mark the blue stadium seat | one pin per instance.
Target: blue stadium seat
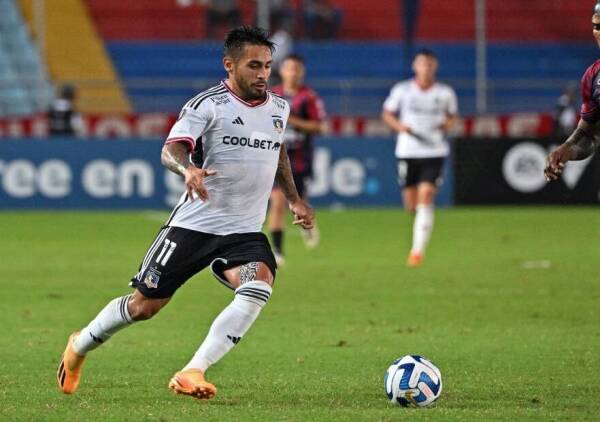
(4, 58)
(22, 74)
(10, 14)
(15, 101)
(355, 77)
(7, 72)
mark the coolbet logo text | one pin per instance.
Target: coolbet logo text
(251, 143)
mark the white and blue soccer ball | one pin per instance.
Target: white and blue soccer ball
(413, 380)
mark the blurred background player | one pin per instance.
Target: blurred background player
(421, 111)
(585, 138)
(306, 119)
(63, 118)
(565, 112)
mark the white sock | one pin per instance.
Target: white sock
(111, 319)
(231, 324)
(422, 228)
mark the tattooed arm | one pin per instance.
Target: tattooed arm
(303, 214)
(176, 157)
(284, 177)
(581, 144)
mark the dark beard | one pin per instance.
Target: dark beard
(249, 94)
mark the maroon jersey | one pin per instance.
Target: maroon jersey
(590, 93)
(307, 105)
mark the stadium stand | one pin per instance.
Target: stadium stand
(113, 19)
(161, 62)
(24, 86)
(76, 55)
(371, 20)
(375, 20)
(351, 76)
(536, 20)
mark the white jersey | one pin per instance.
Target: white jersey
(424, 111)
(241, 142)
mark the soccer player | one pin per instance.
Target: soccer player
(585, 138)
(236, 130)
(421, 111)
(306, 119)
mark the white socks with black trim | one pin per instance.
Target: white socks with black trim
(226, 331)
(231, 324)
(422, 228)
(111, 319)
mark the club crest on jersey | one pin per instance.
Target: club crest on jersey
(278, 124)
(151, 278)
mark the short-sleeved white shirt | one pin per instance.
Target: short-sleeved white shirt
(424, 111)
(241, 142)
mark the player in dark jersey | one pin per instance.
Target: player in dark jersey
(585, 138)
(306, 120)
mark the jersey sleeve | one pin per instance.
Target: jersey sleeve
(590, 95)
(392, 102)
(191, 124)
(452, 103)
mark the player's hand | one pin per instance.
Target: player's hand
(556, 162)
(402, 128)
(303, 214)
(447, 125)
(194, 182)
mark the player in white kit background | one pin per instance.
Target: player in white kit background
(421, 111)
(234, 134)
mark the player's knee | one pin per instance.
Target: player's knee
(251, 271)
(264, 274)
(142, 309)
(143, 312)
(427, 193)
(426, 201)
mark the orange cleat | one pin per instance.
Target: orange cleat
(69, 369)
(414, 260)
(191, 382)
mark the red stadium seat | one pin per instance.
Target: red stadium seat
(154, 20)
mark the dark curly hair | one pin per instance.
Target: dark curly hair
(237, 38)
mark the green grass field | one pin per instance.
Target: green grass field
(507, 305)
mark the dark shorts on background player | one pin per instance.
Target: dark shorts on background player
(300, 180)
(177, 254)
(412, 171)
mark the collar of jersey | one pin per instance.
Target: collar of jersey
(246, 103)
(414, 81)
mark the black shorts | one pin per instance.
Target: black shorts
(177, 254)
(412, 171)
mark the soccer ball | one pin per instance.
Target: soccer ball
(413, 380)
